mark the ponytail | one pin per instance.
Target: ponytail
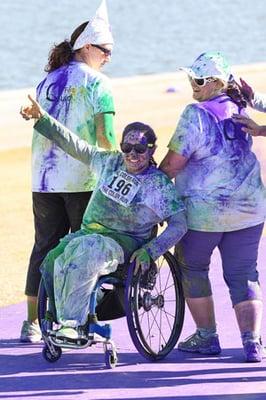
(62, 53)
(235, 93)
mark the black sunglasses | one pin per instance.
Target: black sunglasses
(138, 147)
(106, 52)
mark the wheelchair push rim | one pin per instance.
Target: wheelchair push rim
(155, 316)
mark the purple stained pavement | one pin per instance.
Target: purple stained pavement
(82, 375)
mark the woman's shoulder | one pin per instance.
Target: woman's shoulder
(195, 108)
(193, 114)
(90, 73)
(192, 109)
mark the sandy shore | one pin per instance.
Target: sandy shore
(140, 98)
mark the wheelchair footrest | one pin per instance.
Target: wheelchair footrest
(84, 339)
(103, 330)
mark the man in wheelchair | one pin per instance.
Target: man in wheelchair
(131, 197)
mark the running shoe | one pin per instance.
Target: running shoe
(197, 344)
(67, 332)
(254, 351)
(30, 333)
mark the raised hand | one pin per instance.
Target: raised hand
(247, 91)
(32, 111)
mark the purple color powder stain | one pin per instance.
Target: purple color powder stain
(49, 163)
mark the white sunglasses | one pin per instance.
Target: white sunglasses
(201, 81)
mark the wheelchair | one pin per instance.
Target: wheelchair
(153, 304)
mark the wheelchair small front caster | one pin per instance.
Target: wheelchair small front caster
(110, 358)
(49, 356)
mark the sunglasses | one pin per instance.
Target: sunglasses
(201, 81)
(106, 52)
(138, 147)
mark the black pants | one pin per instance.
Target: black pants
(55, 215)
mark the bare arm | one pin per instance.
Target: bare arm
(105, 131)
(172, 163)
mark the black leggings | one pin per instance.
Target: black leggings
(55, 215)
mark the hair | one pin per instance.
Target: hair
(62, 53)
(233, 90)
(148, 133)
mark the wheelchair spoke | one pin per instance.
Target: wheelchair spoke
(142, 316)
(160, 325)
(148, 315)
(154, 319)
(166, 315)
(151, 325)
(171, 285)
(166, 283)
(148, 335)
(160, 331)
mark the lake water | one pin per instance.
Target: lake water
(151, 36)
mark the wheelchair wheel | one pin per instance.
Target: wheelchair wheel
(42, 303)
(45, 317)
(110, 359)
(49, 356)
(155, 312)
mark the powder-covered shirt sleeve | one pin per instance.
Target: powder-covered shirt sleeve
(259, 102)
(102, 96)
(188, 137)
(71, 143)
(175, 230)
(163, 199)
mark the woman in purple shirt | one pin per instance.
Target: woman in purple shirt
(218, 177)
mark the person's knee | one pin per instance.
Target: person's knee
(195, 283)
(244, 290)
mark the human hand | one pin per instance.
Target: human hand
(247, 91)
(142, 260)
(32, 111)
(250, 126)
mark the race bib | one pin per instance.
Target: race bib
(122, 188)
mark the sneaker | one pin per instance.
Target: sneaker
(254, 351)
(30, 333)
(67, 332)
(197, 344)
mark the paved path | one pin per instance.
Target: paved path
(81, 375)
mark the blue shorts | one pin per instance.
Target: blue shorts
(239, 252)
